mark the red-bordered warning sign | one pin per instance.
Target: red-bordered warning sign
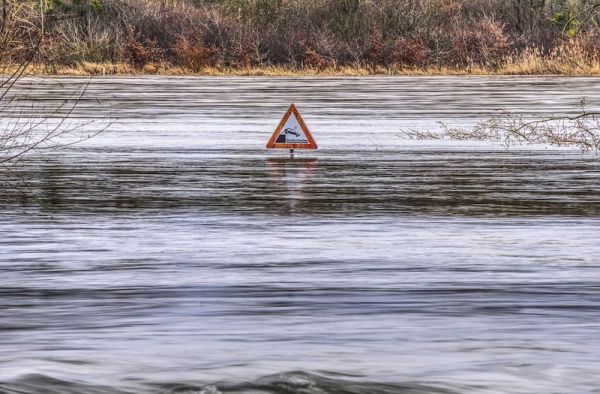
(292, 132)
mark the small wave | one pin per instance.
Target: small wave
(295, 382)
(308, 383)
(42, 384)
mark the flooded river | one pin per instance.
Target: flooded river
(174, 254)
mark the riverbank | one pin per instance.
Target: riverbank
(531, 67)
(308, 37)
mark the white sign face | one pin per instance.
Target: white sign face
(292, 132)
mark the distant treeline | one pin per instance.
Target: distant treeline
(318, 34)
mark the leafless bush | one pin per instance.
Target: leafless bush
(581, 130)
(312, 58)
(26, 123)
(416, 134)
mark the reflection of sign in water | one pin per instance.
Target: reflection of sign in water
(290, 177)
(292, 132)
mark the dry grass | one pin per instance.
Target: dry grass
(572, 57)
(565, 59)
(529, 63)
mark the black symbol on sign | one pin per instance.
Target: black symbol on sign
(291, 131)
(281, 138)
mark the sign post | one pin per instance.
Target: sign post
(292, 133)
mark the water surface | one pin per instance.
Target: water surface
(173, 253)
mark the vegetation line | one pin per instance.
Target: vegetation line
(123, 69)
(305, 37)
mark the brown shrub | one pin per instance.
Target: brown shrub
(140, 50)
(242, 56)
(448, 8)
(482, 43)
(193, 53)
(489, 42)
(410, 52)
(376, 54)
(313, 59)
(590, 46)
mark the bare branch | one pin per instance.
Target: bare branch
(581, 130)
(26, 126)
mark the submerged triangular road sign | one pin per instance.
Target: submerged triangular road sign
(292, 132)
